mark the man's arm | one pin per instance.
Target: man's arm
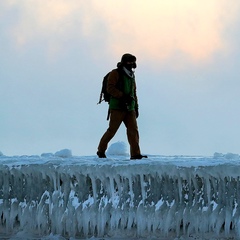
(135, 95)
(113, 78)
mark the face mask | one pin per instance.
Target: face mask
(130, 66)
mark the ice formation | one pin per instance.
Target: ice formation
(85, 196)
(119, 149)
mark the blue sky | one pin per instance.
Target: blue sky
(55, 53)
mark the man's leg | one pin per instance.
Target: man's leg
(116, 118)
(132, 133)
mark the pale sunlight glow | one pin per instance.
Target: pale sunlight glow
(161, 29)
(158, 29)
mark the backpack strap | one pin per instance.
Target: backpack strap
(108, 114)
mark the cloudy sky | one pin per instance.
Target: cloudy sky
(54, 54)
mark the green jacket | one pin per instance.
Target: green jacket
(119, 84)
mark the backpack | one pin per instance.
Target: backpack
(104, 95)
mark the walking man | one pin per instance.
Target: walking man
(123, 106)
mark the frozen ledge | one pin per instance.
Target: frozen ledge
(85, 196)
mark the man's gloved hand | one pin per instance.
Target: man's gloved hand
(136, 112)
(127, 98)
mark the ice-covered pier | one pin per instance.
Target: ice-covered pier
(83, 197)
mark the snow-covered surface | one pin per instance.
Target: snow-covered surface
(61, 196)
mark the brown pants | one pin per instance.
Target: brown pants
(129, 119)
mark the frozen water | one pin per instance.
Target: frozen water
(65, 153)
(164, 197)
(227, 156)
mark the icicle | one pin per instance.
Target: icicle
(104, 199)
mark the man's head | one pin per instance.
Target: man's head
(128, 61)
